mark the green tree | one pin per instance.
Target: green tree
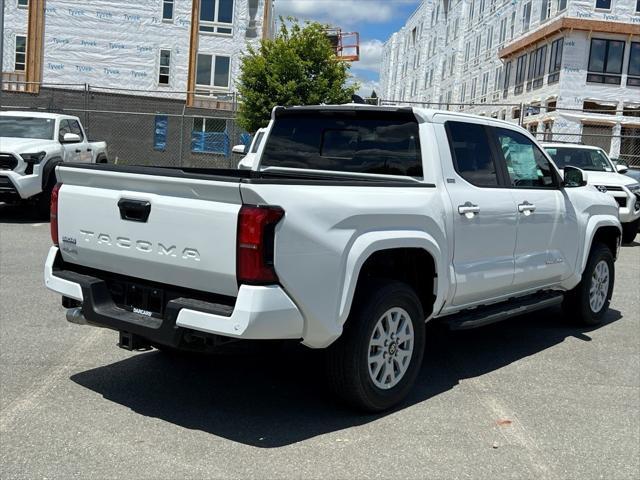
(298, 67)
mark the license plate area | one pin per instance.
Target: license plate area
(138, 298)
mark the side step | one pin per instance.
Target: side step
(482, 316)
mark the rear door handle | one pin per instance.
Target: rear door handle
(468, 209)
(134, 210)
(526, 208)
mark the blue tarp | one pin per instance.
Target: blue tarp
(245, 139)
(160, 133)
(211, 142)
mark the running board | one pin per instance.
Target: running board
(482, 316)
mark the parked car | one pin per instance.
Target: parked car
(606, 177)
(355, 226)
(252, 152)
(32, 144)
(623, 167)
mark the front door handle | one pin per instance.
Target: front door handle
(78, 150)
(526, 208)
(468, 209)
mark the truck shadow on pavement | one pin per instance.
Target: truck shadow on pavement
(20, 214)
(279, 399)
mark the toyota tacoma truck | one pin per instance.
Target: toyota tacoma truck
(32, 145)
(354, 227)
(606, 177)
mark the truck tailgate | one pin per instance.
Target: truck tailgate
(187, 239)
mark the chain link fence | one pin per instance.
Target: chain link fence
(158, 128)
(616, 131)
(141, 127)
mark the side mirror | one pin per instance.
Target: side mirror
(621, 168)
(241, 149)
(574, 177)
(71, 138)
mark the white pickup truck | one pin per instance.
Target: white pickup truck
(606, 177)
(356, 226)
(32, 144)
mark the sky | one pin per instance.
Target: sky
(375, 20)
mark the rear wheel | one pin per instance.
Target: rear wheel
(629, 231)
(375, 362)
(589, 301)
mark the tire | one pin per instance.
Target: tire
(43, 202)
(629, 231)
(578, 304)
(348, 359)
(102, 159)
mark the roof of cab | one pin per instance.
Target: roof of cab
(569, 145)
(425, 114)
(29, 114)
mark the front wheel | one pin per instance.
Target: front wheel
(629, 231)
(375, 362)
(589, 301)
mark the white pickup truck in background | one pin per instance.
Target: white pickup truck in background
(354, 227)
(32, 144)
(606, 177)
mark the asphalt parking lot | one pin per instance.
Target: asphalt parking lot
(529, 398)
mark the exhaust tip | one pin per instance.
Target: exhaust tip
(75, 315)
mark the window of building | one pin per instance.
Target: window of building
(545, 10)
(547, 128)
(526, 164)
(633, 72)
(637, 6)
(489, 37)
(562, 5)
(167, 9)
(603, 4)
(605, 61)
(467, 51)
(539, 66)
(485, 86)
(213, 71)
(478, 45)
(526, 16)
(507, 79)
(209, 136)
(452, 64)
(521, 69)
(414, 34)
(474, 87)
(164, 73)
(472, 155)
(23, 3)
(382, 142)
(480, 9)
(556, 60)
(512, 25)
(20, 53)
(497, 81)
(463, 92)
(216, 16)
(503, 30)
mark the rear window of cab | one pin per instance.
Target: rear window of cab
(378, 142)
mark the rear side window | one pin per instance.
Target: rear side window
(348, 141)
(256, 144)
(471, 151)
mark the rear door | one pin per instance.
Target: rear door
(160, 225)
(547, 222)
(484, 220)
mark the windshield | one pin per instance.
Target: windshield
(27, 127)
(586, 159)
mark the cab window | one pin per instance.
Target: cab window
(526, 164)
(471, 152)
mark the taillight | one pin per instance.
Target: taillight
(54, 213)
(256, 235)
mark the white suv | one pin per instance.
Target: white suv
(603, 174)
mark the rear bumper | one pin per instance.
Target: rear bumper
(259, 313)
